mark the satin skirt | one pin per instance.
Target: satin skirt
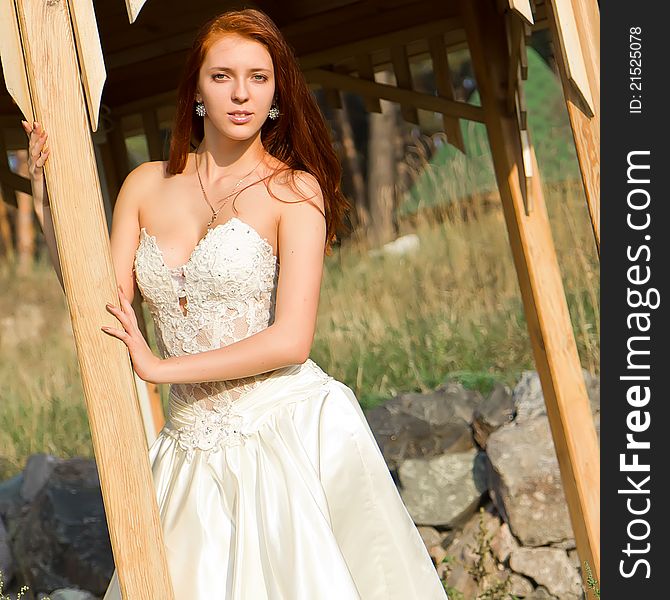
(304, 508)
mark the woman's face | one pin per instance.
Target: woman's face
(237, 75)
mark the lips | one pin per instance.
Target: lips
(241, 113)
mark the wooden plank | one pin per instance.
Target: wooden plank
(403, 76)
(373, 43)
(585, 130)
(513, 27)
(13, 64)
(523, 9)
(365, 72)
(438, 55)
(89, 50)
(545, 306)
(134, 7)
(126, 481)
(568, 38)
(355, 85)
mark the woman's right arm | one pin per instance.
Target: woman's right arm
(38, 153)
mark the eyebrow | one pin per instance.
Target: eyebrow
(229, 69)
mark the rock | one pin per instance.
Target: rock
(496, 411)
(462, 551)
(503, 543)
(71, 594)
(444, 490)
(430, 536)
(62, 541)
(10, 498)
(525, 482)
(36, 473)
(549, 567)
(460, 402)
(418, 426)
(6, 560)
(541, 593)
(529, 399)
(568, 544)
(520, 586)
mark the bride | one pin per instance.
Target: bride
(269, 482)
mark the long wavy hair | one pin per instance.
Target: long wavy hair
(299, 138)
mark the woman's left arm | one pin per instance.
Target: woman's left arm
(301, 240)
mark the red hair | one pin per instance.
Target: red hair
(300, 137)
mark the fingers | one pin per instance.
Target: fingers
(125, 314)
(38, 152)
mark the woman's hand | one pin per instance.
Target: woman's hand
(38, 153)
(145, 363)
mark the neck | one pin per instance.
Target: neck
(220, 157)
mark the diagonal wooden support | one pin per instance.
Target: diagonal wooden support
(546, 309)
(582, 49)
(54, 80)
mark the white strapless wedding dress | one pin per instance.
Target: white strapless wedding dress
(270, 487)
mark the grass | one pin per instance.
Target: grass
(385, 324)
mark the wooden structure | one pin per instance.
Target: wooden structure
(143, 55)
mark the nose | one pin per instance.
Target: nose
(240, 91)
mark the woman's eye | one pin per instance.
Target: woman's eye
(262, 77)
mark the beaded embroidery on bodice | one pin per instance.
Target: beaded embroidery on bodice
(225, 292)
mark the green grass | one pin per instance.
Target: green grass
(385, 324)
(472, 173)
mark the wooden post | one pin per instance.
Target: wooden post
(585, 129)
(541, 286)
(57, 101)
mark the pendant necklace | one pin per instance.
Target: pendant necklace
(215, 213)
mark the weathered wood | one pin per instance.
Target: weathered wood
(585, 130)
(546, 310)
(83, 245)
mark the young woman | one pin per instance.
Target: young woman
(270, 484)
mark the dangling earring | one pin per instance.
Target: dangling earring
(274, 112)
(200, 109)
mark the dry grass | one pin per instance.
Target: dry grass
(386, 324)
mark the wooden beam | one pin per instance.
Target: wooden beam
(570, 46)
(585, 129)
(545, 306)
(445, 89)
(366, 72)
(452, 108)
(514, 32)
(371, 44)
(522, 9)
(13, 63)
(80, 228)
(403, 76)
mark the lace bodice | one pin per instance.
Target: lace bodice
(225, 292)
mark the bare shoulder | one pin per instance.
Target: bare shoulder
(301, 192)
(145, 175)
